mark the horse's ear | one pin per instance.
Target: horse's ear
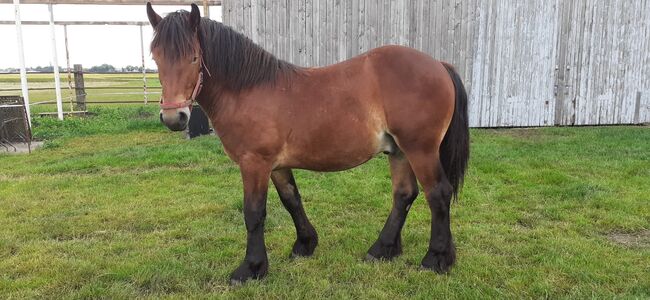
(154, 18)
(195, 17)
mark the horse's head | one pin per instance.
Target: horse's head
(177, 52)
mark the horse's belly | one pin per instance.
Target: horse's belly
(338, 132)
(340, 152)
(326, 162)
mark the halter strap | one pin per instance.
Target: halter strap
(197, 89)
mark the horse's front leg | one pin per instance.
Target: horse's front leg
(307, 238)
(255, 173)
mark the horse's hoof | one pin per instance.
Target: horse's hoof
(370, 258)
(439, 262)
(295, 255)
(378, 251)
(247, 271)
(235, 282)
(304, 247)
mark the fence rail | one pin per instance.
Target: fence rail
(87, 88)
(525, 63)
(79, 89)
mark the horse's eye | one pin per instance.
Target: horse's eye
(195, 59)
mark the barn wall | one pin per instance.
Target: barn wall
(525, 63)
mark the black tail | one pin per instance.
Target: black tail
(454, 151)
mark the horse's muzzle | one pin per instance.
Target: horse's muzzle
(175, 120)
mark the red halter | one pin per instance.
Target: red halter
(195, 92)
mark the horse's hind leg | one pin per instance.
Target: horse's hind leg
(307, 239)
(405, 190)
(429, 172)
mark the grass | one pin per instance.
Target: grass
(116, 206)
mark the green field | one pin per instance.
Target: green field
(121, 87)
(116, 206)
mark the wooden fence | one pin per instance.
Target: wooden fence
(525, 62)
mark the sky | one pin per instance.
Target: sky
(88, 45)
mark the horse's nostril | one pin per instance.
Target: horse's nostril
(175, 122)
(182, 118)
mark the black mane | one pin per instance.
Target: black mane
(230, 57)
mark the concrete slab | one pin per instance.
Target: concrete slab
(18, 148)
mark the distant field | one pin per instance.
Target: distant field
(129, 88)
(115, 206)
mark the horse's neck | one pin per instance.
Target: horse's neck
(217, 100)
(220, 103)
(210, 97)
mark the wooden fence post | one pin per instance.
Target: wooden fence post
(79, 88)
(206, 9)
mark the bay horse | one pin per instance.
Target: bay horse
(272, 116)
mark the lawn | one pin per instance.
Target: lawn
(116, 206)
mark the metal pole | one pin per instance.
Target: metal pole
(144, 70)
(21, 61)
(67, 63)
(55, 62)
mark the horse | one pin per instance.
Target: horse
(273, 116)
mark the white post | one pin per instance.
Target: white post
(67, 63)
(144, 70)
(55, 62)
(21, 61)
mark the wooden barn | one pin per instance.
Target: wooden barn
(525, 63)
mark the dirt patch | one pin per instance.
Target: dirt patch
(640, 239)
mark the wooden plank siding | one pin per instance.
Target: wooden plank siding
(524, 63)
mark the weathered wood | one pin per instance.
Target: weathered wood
(79, 88)
(115, 2)
(524, 63)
